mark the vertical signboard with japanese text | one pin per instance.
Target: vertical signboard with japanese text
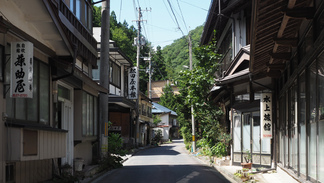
(21, 85)
(132, 83)
(266, 115)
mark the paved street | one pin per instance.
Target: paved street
(168, 163)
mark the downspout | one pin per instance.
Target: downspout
(75, 48)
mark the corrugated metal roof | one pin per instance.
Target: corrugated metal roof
(157, 109)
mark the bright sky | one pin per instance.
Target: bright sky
(160, 26)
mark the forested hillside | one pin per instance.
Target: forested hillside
(166, 62)
(176, 55)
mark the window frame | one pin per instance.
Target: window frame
(90, 115)
(11, 103)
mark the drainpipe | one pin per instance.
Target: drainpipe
(75, 48)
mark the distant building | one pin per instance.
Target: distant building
(157, 89)
(144, 134)
(168, 125)
(120, 107)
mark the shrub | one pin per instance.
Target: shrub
(157, 137)
(219, 149)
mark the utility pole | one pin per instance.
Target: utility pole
(104, 78)
(150, 76)
(138, 44)
(192, 109)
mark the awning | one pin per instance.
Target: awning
(122, 101)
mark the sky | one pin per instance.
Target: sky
(159, 26)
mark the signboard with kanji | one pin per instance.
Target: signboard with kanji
(132, 83)
(266, 115)
(21, 84)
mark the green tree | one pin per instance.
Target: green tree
(177, 54)
(195, 85)
(158, 65)
(96, 16)
(168, 99)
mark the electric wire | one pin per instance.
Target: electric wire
(175, 17)
(182, 16)
(168, 11)
(194, 5)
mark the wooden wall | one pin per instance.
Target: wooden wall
(33, 171)
(50, 144)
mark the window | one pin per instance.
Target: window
(293, 127)
(89, 115)
(312, 122)
(237, 132)
(24, 109)
(115, 74)
(302, 123)
(82, 10)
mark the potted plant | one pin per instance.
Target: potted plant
(248, 158)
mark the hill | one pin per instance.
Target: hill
(176, 55)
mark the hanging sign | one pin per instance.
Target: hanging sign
(21, 78)
(132, 83)
(266, 115)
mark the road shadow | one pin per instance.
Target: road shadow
(157, 151)
(166, 174)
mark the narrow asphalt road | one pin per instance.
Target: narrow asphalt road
(169, 163)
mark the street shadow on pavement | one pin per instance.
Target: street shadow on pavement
(166, 174)
(157, 151)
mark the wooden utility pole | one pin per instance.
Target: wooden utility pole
(150, 76)
(104, 78)
(192, 109)
(138, 44)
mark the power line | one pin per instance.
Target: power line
(175, 17)
(194, 5)
(182, 16)
(161, 28)
(168, 12)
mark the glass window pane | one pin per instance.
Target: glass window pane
(95, 118)
(44, 94)
(9, 104)
(246, 132)
(256, 132)
(91, 115)
(78, 9)
(320, 71)
(88, 114)
(302, 122)
(72, 6)
(293, 125)
(312, 122)
(20, 108)
(64, 92)
(32, 103)
(84, 114)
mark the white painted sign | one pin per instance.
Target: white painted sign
(266, 115)
(21, 85)
(132, 83)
